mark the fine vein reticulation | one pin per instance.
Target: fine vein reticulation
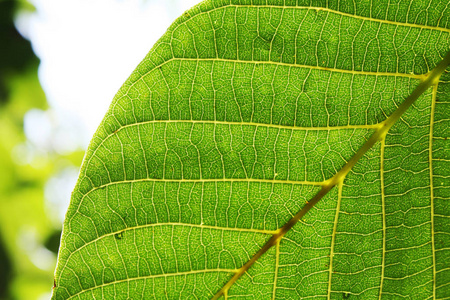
(431, 80)
(272, 149)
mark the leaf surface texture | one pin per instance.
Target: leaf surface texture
(236, 118)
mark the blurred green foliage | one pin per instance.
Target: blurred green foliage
(25, 228)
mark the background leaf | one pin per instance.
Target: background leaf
(233, 121)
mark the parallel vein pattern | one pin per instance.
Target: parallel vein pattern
(236, 120)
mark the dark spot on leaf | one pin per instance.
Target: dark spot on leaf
(346, 295)
(267, 36)
(54, 283)
(118, 236)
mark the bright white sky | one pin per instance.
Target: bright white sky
(88, 48)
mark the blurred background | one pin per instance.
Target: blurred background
(61, 63)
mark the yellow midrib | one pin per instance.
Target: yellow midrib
(339, 179)
(431, 80)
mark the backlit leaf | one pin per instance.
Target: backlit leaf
(245, 116)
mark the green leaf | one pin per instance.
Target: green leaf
(272, 149)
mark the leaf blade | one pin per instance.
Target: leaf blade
(157, 93)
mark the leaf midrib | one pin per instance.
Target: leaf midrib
(432, 80)
(320, 68)
(324, 183)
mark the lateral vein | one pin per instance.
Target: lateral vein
(431, 79)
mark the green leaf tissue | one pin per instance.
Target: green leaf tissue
(270, 149)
